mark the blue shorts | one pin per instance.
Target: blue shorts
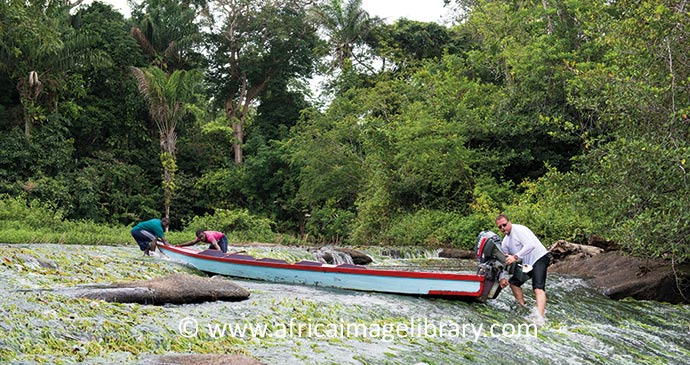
(538, 274)
(143, 238)
(223, 243)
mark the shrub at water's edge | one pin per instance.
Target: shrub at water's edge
(555, 207)
(24, 221)
(572, 207)
(238, 225)
(435, 228)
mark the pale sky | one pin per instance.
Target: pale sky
(390, 10)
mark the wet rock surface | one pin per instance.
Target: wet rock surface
(171, 289)
(358, 257)
(39, 325)
(35, 262)
(456, 253)
(620, 276)
(204, 360)
(336, 256)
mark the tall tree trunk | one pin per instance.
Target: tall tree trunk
(27, 123)
(545, 4)
(238, 134)
(236, 121)
(168, 160)
(29, 90)
(167, 195)
(237, 110)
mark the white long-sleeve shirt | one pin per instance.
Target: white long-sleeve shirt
(524, 243)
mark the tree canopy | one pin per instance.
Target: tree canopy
(570, 116)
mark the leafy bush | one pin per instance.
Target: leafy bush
(435, 228)
(329, 224)
(551, 209)
(635, 190)
(24, 221)
(238, 225)
(17, 213)
(466, 229)
(373, 214)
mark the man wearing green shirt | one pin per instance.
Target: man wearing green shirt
(148, 232)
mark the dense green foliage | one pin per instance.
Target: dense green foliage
(239, 225)
(36, 222)
(570, 116)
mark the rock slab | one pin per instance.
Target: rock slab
(172, 289)
(621, 276)
(210, 359)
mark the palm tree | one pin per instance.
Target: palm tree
(347, 25)
(168, 32)
(37, 47)
(167, 97)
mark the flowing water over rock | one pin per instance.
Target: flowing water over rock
(330, 256)
(289, 324)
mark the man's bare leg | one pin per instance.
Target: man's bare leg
(517, 293)
(540, 296)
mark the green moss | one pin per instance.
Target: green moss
(41, 326)
(51, 328)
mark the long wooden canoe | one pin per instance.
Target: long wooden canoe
(347, 276)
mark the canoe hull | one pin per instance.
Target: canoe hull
(351, 277)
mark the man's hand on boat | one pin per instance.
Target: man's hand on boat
(510, 259)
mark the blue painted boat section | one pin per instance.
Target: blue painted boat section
(343, 276)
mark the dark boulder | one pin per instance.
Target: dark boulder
(358, 257)
(456, 253)
(394, 253)
(172, 289)
(602, 243)
(564, 249)
(620, 276)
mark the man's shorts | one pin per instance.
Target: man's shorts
(538, 274)
(143, 238)
(223, 243)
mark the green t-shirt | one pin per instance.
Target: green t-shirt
(153, 225)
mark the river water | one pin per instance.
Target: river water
(290, 324)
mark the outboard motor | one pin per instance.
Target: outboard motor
(492, 261)
(488, 248)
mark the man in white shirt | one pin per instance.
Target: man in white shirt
(519, 242)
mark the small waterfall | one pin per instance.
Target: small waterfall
(331, 256)
(403, 252)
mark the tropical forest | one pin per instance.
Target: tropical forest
(314, 122)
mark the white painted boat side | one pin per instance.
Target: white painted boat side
(325, 278)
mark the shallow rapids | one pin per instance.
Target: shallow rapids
(289, 324)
